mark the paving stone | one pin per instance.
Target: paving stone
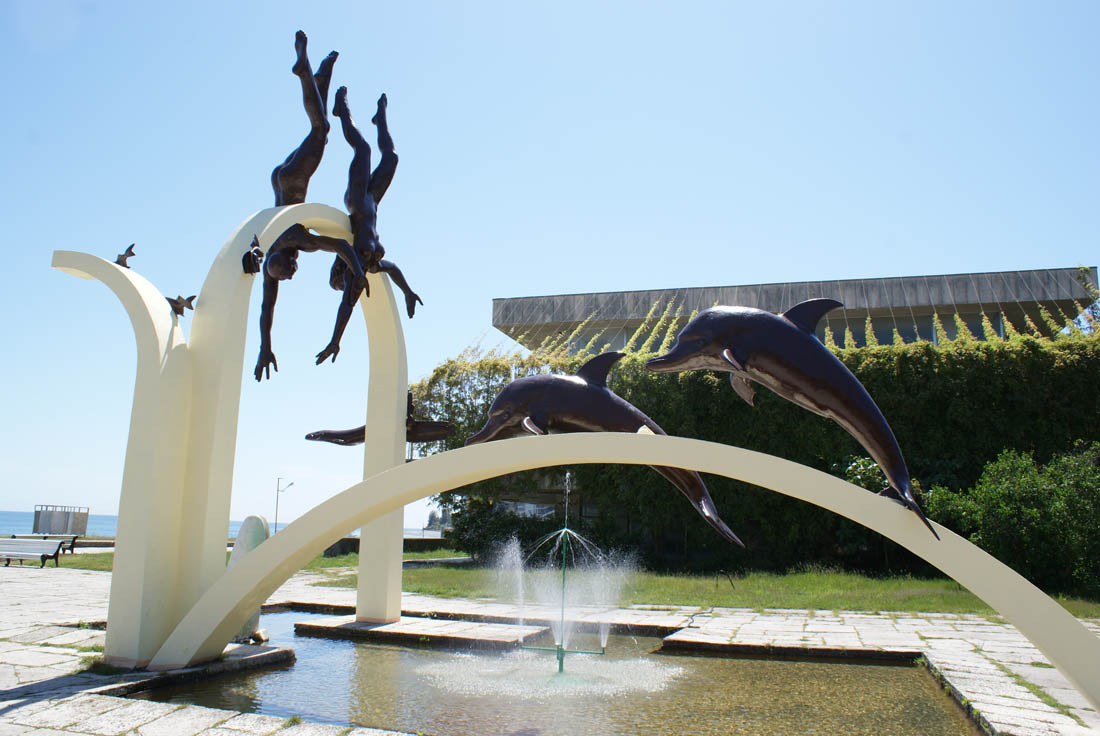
(34, 657)
(312, 729)
(25, 706)
(1090, 717)
(186, 721)
(74, 637)
(1068, 697)
(1022, 716)
(253, 723)
(124, 718)
(68, 712)
(10, 729)
(38, 633)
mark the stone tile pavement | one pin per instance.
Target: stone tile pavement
(1008, 685)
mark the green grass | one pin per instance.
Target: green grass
(826, 591)
(89, 561)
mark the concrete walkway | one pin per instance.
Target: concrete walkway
(1008, 685)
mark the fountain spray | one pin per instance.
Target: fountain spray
(560, 647)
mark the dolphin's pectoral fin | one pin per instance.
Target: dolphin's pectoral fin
(805, 315)
(743, 388)
(530, 426)
(595, 370)
(735, 359)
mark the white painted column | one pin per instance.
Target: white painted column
(381, 542)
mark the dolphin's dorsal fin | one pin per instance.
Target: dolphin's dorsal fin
(805, 315)
(595, 371)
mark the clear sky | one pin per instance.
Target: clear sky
(545, 148)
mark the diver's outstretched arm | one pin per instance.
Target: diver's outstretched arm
(266, 361)
(352, 289)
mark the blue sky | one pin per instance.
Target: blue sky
(545, 148)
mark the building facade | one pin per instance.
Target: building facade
(906, 304)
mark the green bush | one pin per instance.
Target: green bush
(953, 407)
(1042, 520)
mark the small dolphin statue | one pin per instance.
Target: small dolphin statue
(416, 430)
(782, 353)
(125, 256)
(548, 404)
(179, 304)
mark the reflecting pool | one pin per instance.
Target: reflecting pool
(628, 691)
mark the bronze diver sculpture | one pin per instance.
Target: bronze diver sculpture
(290, 181)
(546, 404)
(365, 190)
(782, 353)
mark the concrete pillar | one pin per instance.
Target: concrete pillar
(378, 597)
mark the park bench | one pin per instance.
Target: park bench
(68, 539)
(30, 549)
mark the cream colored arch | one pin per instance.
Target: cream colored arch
(208, 626)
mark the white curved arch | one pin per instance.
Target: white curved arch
(218, 330)
(145, 604)
(208, 626)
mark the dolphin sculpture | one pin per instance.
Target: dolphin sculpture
(549, 404)
(782, 353)
(416, 430)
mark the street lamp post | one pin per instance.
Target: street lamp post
(278, 490)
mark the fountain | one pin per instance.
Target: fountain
(601, 579)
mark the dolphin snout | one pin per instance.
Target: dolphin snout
(676, 359)
(490, 431)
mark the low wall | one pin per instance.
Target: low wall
(347, 545)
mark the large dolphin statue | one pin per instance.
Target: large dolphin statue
(549, 404)
(781, 352)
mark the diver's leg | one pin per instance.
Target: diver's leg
(290, 180)
(398, 278)
(323, 77)
(359, 170)
(383, 175)
(311, 95)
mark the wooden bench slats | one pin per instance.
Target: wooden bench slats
(68, 539)
(30, 549)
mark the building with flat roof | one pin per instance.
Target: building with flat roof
(906, 304)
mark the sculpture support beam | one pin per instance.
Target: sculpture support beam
(202, 634)
(381, 542)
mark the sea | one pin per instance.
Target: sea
(105, 525)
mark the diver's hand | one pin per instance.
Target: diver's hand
(265, 363)
(332, 349)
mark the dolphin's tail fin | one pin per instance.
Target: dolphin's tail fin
(905, 498)
(691, 485)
